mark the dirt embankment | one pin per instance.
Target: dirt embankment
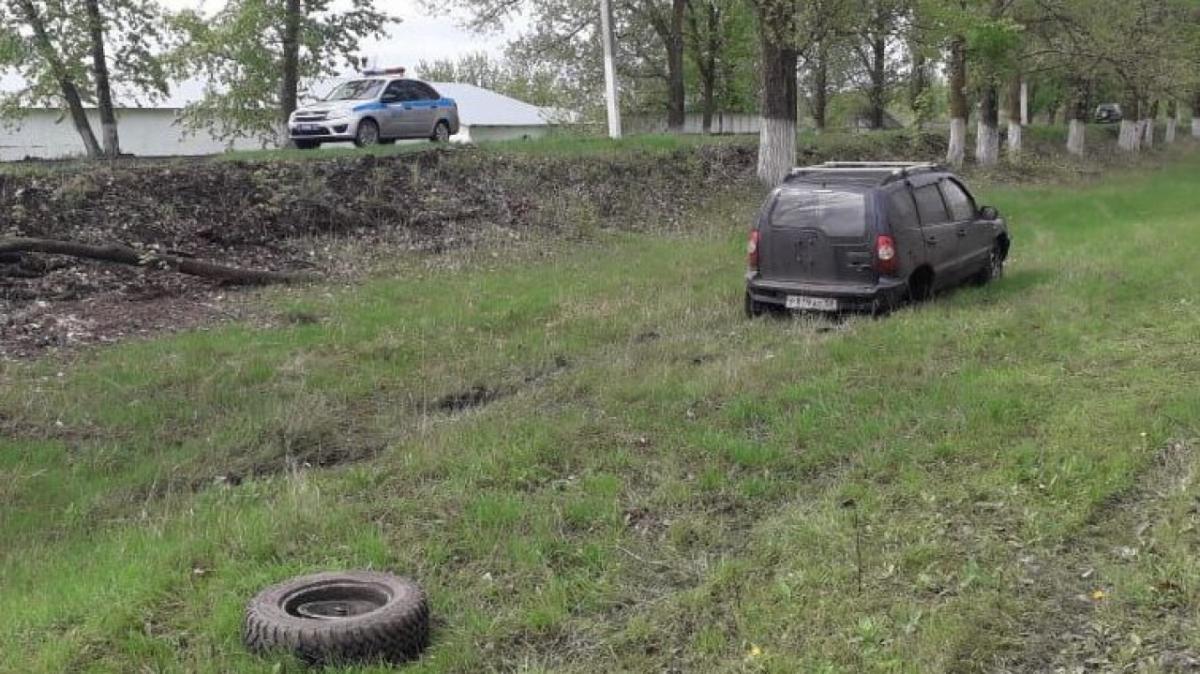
(294, 215)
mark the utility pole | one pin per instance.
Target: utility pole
(610, 70)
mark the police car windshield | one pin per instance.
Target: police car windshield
(356, 90)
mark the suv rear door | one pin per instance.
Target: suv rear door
(817, 234)
(939, 232)
(905, 228)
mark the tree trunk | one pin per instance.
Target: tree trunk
(878, 94)
(1077, 132)
(70, 92)
(675, 88)
(108, 119)
(918, 84)
(126, 255)
(1129, 139)
(710, 72)
(820, 87)
(1172, 121)
(708, 100)
(289, 88)
(958, 102)
(1196, 115)
(706, 48)
(777, 137)
(1024, 102)
(987, 140)
(1148, 126)
(1014, 117)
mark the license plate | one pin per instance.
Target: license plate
(309, 127)
(805, 303)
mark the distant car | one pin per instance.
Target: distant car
(866, 236)
(1108, 113)
(380, 107)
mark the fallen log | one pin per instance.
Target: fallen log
(122, 254)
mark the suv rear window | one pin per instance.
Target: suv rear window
(834, 212)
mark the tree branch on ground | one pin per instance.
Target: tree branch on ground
(122, 254)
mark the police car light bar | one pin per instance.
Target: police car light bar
(384, 71)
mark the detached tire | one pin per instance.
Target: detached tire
(344, 617)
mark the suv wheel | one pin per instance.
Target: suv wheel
(754, 309)
(994, 269)
(441, 133)
(368, 133)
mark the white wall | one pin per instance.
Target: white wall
(49, 134)
(477, 133)
(729, 122)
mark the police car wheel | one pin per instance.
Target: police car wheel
(368, 134)
(441, 132)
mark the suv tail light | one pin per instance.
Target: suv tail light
(752, 251)
(885, 255)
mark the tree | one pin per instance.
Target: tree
(994, 43)
(1196, 114)
(779, 53)
(667, 19)
(254, 54)
(959, 111)
(880, 21)
(715, 31)
(108, 118)
(63, 58)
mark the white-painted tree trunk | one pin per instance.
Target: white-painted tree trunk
(987, 145)
(958, 143)
(1172, 125)
(1147, 133)
(1024, 103)
(1015, 131)
(1076, 137)
(776, 150)
(1195, 127)
(1130, 137)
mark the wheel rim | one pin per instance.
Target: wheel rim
(345, 599)
(443, 133)
(368, 134)
(996, 264)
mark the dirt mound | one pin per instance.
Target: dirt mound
(289, 215)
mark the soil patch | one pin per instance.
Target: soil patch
(304, 215)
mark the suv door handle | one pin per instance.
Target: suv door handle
(931, 240)
(962, 231)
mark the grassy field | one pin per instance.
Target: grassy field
(1002, 478)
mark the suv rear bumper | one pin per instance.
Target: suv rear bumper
(887, 292)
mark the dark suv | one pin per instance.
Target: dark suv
(1108, 113)
(865, 236)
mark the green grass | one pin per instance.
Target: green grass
(659, 482)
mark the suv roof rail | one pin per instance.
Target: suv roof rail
(885, 171)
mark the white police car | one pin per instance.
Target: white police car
(382, 106)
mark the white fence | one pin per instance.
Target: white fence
(693, 122)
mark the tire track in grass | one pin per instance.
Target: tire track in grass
(1065, 594)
